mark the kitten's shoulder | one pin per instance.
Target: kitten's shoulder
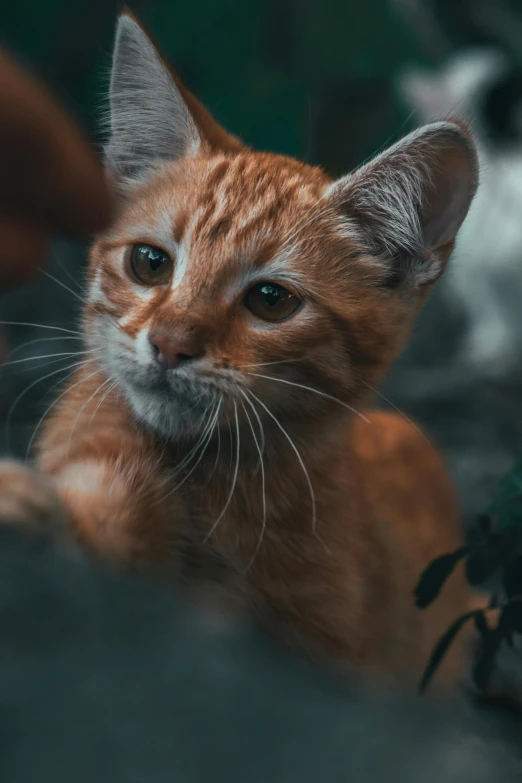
(397, 457)
(385, 433)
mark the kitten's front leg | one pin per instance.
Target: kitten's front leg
(123, 513)
(122, 510)
(101, 478)
(29, 500)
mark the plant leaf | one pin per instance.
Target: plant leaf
(435, 575)
(510, 621)
(490, 642)
(512, 578)
(485, 664)
(487, 557)
(485, 524)
(481, 625)
(441, 648)
(507, 506)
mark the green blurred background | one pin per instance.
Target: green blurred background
(309, 78)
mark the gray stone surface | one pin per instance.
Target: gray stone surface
(112, 679)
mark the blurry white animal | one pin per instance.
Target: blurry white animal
(482, 88)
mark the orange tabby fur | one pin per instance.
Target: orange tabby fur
(358, 505)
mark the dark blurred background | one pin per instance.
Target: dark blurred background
(331, 82)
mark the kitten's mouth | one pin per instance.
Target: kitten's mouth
(181, 407)
(185, 391)
(205, 386)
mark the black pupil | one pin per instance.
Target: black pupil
(155, 257)
(271, 294)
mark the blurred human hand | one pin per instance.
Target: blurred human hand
(50, 180)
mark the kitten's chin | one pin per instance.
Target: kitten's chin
(171, 417)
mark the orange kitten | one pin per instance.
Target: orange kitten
(240, 311)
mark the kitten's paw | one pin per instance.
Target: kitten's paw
(28, 499)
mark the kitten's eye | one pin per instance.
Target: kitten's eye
(150, 265)
(271, 302)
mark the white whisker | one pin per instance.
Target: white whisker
(196, 403)
(35, 383)
(63, 285)
(260, 423)
(266, 364)
(234, 480)
(218, 450)
(298, 455)
(38, 340)
(316, 391)
(41, 356)
(184, 462)
(263, 490)
(207, 433)
(104, 396)
(373, 389)
(53, 387)
(76, 282)
(41, 326)
(71, 367)
(87, 401)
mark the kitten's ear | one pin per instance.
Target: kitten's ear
(409, 202)
(152, 116)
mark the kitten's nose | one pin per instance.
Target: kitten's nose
(174, 347)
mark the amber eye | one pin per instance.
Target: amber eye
(271, 302)
(150, 265)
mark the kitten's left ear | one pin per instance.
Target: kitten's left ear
(409, 202)
(153, 117)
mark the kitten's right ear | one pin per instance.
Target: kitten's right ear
(408, 203)
(152, 116)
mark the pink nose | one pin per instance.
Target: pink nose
(175, 347)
